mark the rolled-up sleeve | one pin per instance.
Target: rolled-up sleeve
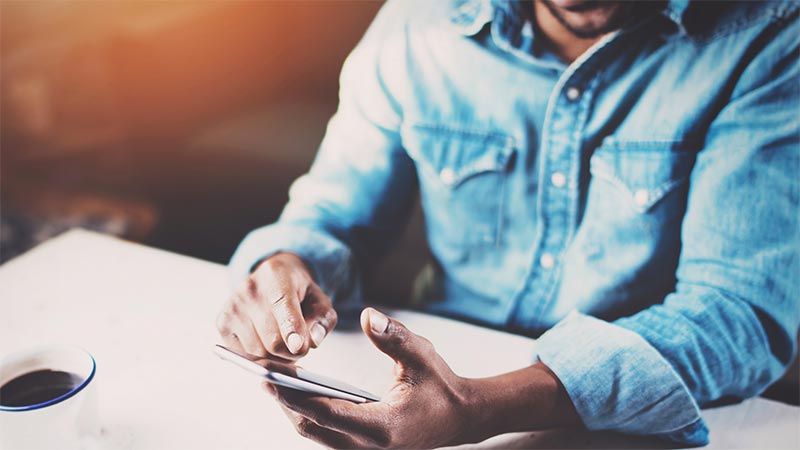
(352, 204)
(728, 330)
(618, 381)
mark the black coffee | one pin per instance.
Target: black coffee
(37, 387)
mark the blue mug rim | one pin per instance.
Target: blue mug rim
(60, 398)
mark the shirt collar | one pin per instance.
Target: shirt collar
(674, 12)
(470, 16)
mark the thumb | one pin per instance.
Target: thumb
(395, 340)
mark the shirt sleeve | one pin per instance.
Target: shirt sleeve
(728, 330)
(346, 211)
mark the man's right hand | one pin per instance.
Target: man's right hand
(279, 311)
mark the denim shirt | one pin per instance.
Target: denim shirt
(639, 206)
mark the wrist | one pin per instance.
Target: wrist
(283, 256)
(528, 399)
(283, 259)
(479, 411)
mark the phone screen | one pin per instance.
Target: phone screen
(303, 374)
(268, 368)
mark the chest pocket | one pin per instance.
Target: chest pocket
(462, 182)
(627, 248)
(641, 175)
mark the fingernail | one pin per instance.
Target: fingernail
(317, 334)
(294, 342)
(378, 322)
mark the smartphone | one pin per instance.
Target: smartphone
(291, 376)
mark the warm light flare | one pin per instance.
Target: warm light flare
(183, 120)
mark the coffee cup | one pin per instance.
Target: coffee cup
(48, 398)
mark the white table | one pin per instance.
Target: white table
(148, 317)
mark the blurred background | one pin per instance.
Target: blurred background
(178, 124)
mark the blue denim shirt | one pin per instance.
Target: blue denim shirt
(639, 206)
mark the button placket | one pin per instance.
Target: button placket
(547, 261)
(560, 159)
(567, 115)
(558, 179)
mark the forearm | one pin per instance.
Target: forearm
(527, 399)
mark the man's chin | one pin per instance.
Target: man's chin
(587, 18)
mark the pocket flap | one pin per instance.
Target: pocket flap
(645, 172)
(455, 155)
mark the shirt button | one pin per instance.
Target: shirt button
(558, 179)
(641, 197)
(547, 261)
(447, 176)
(573, 94)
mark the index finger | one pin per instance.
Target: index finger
(284, 301)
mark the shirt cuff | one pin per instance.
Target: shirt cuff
(329, 260)
(617, 381)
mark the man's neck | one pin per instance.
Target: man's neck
(560, 40)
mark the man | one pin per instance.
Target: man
(620, 176)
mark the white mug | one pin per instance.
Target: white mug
(65, 421)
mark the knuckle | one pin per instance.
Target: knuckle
(275, 344)
(278, 301)
(274, 265)
(234, 305)
(327, 417)
(237, 301)
(331, 319)
(303, 426)
(224, 323)
(426, 347)
(301, 277)
(288, 322)
(226, 319)
(250, 346)
(383, 438)
(398, 339)
(251, 288)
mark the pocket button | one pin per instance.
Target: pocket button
(641, 197)
(447, 176)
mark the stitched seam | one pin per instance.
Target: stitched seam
(472, 133)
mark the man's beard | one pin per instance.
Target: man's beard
(626, 11)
